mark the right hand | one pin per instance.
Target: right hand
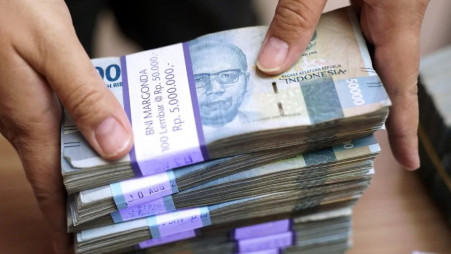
(43, 61)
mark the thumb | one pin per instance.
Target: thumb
(70, 73)
(289, 34)
(95, 110)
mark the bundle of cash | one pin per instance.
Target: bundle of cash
(146, 196)
(219, 147)
(125, 234)
(435, 127)
(322, 232)
(205, 100)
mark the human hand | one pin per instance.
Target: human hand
(393, 27)
(42, 61)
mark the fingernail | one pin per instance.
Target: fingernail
(414, 161)
(112, 137)
(273, 55)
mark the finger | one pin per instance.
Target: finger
(398, 67)
(39, 154)
(67, 68)
(394, 30)
(30, 119)
(289, 34)
(402, 126)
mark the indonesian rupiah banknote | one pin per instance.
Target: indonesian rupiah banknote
(205, 99)
(145, 195)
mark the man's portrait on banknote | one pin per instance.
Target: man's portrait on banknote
(221, 82)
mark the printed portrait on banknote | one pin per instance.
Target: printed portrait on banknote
(221, 82)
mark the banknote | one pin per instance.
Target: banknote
(338, 163)
(205, 99)
(132, 232)
(324, 229)
(316, 187)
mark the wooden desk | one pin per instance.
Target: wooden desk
(395, 215)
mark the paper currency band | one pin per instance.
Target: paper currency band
(192, 87)
(146, 186)
(178, 221)
(142, 168)
(262, 229)
(167, 239)
(269, 242)
(153, 207)
(271, 251)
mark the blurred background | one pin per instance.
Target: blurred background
(395, 215)
(436, 29)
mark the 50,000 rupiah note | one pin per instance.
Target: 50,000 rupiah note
(205, 99)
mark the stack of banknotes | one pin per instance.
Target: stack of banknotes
(219, 146)
(326, 231)
(435, 127)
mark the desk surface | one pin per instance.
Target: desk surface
(395, 215)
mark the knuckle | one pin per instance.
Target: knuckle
(410, 91)
(22, 127)
(46, 193)
(82, 100)
(22, 134)
(294, 15)
(421, 9)
(8, 131)
(39, 186)
(399, 130)
(422, 4)
(406, 6)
